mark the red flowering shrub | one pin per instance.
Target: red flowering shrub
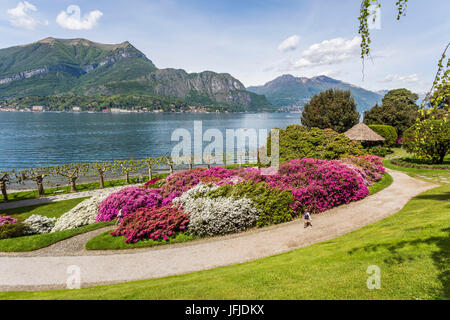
(152, 223)
(150, 183)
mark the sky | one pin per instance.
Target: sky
(254, 41)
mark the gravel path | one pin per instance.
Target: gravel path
(60, 197)
(47, 269)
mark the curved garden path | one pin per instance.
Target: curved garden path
(47, 268)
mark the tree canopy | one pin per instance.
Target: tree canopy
(298, 142)
(429, 139)
(331, 109)
(398, 109)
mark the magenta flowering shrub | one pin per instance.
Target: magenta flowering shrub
(318, 185)
(7, 220)
(128, 200)
(152, 223)
(180, 182)
(218, 172)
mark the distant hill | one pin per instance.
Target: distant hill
(288, 90)
(81, 67)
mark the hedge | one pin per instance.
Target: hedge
(387, 132)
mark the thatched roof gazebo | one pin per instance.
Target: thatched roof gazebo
(362, 132)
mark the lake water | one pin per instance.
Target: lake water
(41, 139)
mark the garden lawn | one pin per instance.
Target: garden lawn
(35, 242)
(51, 210)
(411, 248)
(382, 184)
(398, 153)
(24, 195)
(435, 175)
(106, 241)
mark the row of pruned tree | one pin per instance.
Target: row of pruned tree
(73, 171)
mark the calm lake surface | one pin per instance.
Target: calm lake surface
(41, 139)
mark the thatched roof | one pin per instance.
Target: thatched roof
(362, 132)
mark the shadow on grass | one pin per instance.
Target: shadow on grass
(440, 197)
(441, 257)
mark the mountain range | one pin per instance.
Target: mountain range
(53, 67)
(287, 90)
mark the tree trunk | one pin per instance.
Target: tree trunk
(73, 186)
(150, 173)
(171, 168)
(127, 178)
(40, 186)
(102, 181)
(190, 166)
(4, 193)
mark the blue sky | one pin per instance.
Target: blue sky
(255, 41)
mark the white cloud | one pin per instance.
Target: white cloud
(331, 73)
(289, 44)
(329, 52)
(71, 19)
(20, 15)
(412, 78)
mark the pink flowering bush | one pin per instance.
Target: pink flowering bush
(180, 182)
(297, 186)
(152, 223)
(7, 220)
(318, 185)
(218, 172)
(128, 200)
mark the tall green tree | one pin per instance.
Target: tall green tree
(429, 139)
(331, 109)
(398, 109)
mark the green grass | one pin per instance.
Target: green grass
(434, 175)
(35, 242)
(411, 248)
(106, 241)
(382, 184)
(24, 195)
(398, 153)
(51, 210)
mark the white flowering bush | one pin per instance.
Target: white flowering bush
(83, 214)
(39, 224)
(210, 217)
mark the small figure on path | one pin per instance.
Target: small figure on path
(308, 219)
